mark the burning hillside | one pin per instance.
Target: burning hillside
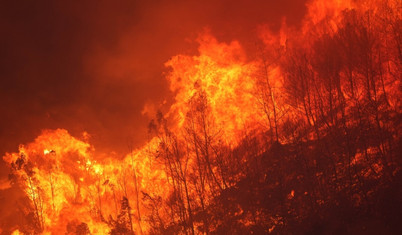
(299, 135)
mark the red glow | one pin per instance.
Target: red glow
(298, 133)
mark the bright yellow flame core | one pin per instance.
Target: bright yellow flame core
(224, 74)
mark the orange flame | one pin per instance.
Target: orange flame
(228, 93)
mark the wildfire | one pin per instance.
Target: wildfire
(223, 77)
(222, 99)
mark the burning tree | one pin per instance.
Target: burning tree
(302, 139)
